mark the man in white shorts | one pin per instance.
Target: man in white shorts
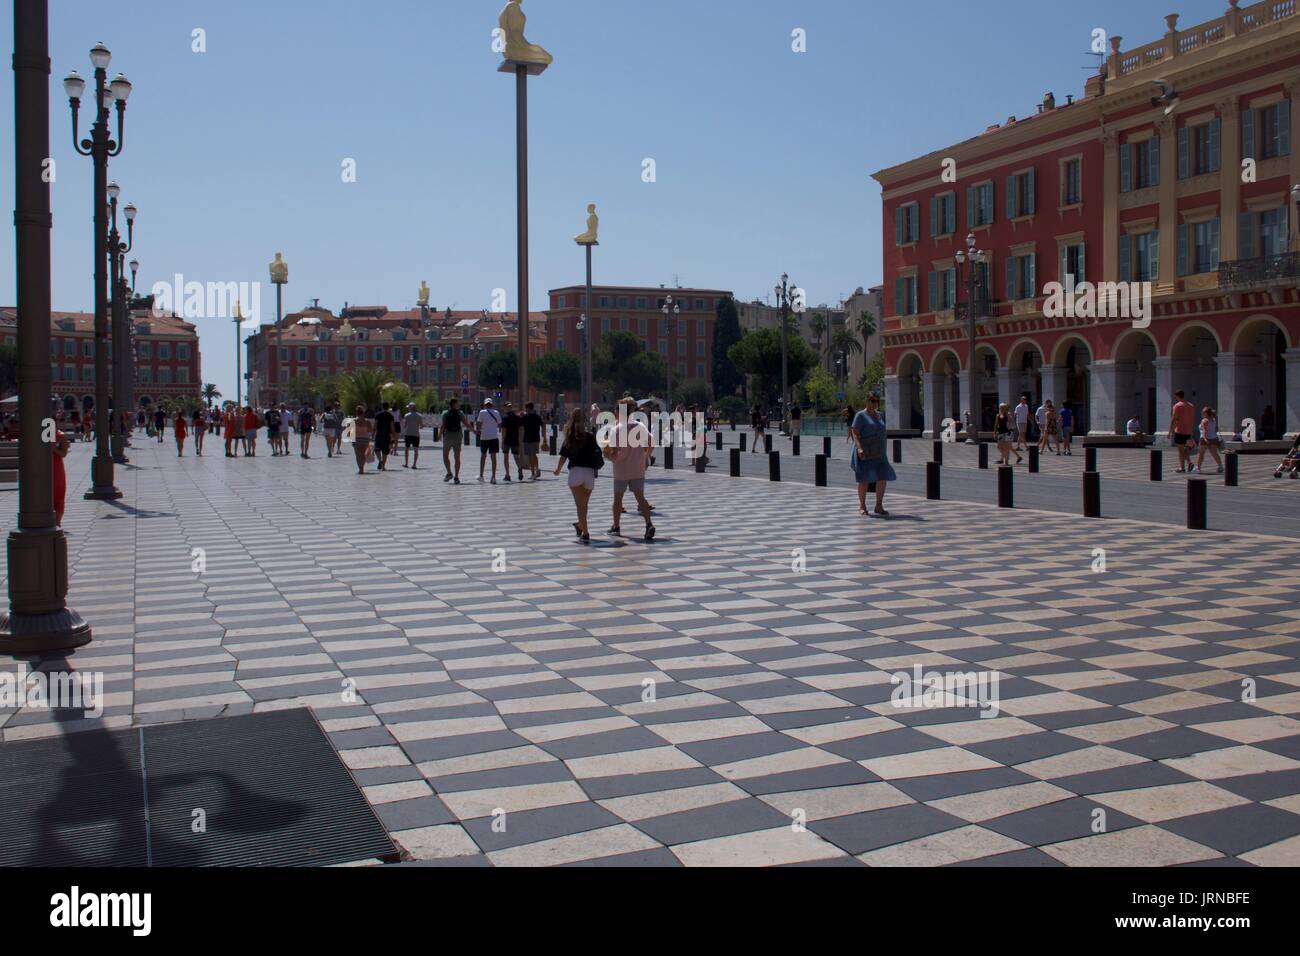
(488, 424)
(1022, 423)
(629, 449)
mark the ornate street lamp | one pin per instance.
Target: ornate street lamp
(974, 282)
(100, 147)
(588, 240)
(671, 310)
(783, 297)
(279, 276)
(122, 367)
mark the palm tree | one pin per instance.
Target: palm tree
(364, 387)
(817, 325)
(847, 343)
(866, 329)
(210, 394)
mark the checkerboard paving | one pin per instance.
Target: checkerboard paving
(723, 695)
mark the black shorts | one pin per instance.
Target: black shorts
(412, 441)
(1181, 439)
(490, 446)
(383, 444)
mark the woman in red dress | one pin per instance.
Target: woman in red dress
(181, 431)
(60, 451)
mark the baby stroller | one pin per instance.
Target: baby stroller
(1290, 465)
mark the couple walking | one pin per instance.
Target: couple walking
(629, 449)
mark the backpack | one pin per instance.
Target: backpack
(273, 419)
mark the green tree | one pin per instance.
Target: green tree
(427, 402)
(758, 355)
(303, 390)
(620, 364)
(364, 387)
(819, 324)
(499, 370)
(866, 328)
(397, 394)
(694, 392)
(557, 372)
(821, 389)
(873, 376)
(727, 379)
(210, 394)
(645, 374)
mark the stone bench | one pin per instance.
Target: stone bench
(1118, 441)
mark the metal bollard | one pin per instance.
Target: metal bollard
(717, 440)
(819, 471)
(1033, 459)
(699, 463)
(668, 458)
(938, 452)
(1230, 470)
(932, 469)
(767, 443)
(1197, 505)
(826, 445)
(774, 465)
(1091, 494)
(735, 463)
(1157, 465)
(1006, 486)
(898, 451)
(1090, 459)
(984, 456)
(794, 446)
(743, 438)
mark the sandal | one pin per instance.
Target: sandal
(649, 532)
(882, 512)
(616, 530)
(586, 538)
(577, 529)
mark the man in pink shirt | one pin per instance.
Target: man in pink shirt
(1182, 426)
(629, 449)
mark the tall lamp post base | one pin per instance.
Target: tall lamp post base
(38, 561)
(101, 477)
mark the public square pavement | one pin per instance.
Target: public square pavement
(723, 694)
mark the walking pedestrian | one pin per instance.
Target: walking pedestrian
(233, 426)
(1181, 430)
(585, 459)
(412, 422)
(1066, 415)
(274, 423)
(251, 425)
(362, 432)
(1022, 424)
(200, 429)
(384, 436)
(1210, 440)
(59, 475)
(488, 426)
(629, 450)
(306, 425)
(453, 428)
(870, 466)
(1048, 425)
(1004, 431)
(181, 431)
(756, 426)
(796, 420)
(512, 427)
(532, 439)
(159, 423)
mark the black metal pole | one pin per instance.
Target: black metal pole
(521, 146)
(586, 341)
(117, 309)
(101, 466)
(39, 618)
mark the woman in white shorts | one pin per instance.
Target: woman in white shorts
(582, 452)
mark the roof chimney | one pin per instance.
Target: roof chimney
(1049, 101)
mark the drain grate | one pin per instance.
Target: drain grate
(254, 790)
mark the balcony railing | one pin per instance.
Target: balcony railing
(1238, 21)
(1263, 271)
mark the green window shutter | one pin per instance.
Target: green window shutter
(1214, 245)
(1216, 137)
(1011, 278)
(970, 208)
(1184, 240)
(898, 297)
(1011, 197)
(1033, 203)
(1246, 235)
(1031, 279)
(1184, 160)
(913, 222)
(1125, 258)
(1248, 134)
(1065, 265)
(911, 295)
(1125, 168)
(1153, 162)
(933, 285)
(1284, 128)
(989, 206)
(934, 216)
(952, 212)
(1153, 255)
(1081, 272)
(898, 225)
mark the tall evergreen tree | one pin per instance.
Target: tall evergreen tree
(727, 379)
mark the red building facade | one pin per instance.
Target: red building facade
(1190, 194)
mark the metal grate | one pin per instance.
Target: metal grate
(253, 790)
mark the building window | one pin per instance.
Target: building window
(1198, 149)
(182, 376)
(905, 295)
(1020, 194)
(302, 354)
(1139, 256)
(699, 348)
(361, 356)
(164, 351)
(641, 327)
(164, 376)
(183, 352)
(561, 301)
(625, 324)
(681, 327)
(699, 305)
(943, 214)
(1022, 277)
(1266, 132)
(1139, 164)
(284, 355)
(907, 223)
(1198, 247)
(942, 290)
(1072, 263)
(624, 302)
(699, 370)
(979, 205)
(641, 302)
(341, 356)
(88, 349)
(604, 324)
(602, 301)
(69, 348)
(663, 327)
(378, 353)
(663, 347)
(322, 355)
(1072, 182)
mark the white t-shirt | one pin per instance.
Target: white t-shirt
(1042, 415)
(1022, 414)
(489, 420)
(412, 423)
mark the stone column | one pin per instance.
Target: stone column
(1229, 178)
(1293, 93)
(1292, 426)
(1168, 222)
(936, 402)
(1055, 383)
(1005, 388)
(1110, 206)
(963, 399)
(894, 411)
(1238, 397)
(1103, 400)
(1168, 371)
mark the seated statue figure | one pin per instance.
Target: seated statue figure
(424, 293)
(518, 49)
(588, 238)
(279, 269)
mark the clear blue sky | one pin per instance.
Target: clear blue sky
(764, 155)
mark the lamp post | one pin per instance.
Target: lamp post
(128, 336)
(974, 258)
(38, 619)
(239, 358)
(523, 59)
(783, 292)
(279, 276)
(586, 368)
(588, 240)
(1295, 201)
(100, 147)
(117, 251)
(671, 310)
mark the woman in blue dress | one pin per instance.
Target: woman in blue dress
(870, 466)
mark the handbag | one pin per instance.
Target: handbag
(873, 446)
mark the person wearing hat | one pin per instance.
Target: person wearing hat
(488, 426)
(511, 430)
(412, 422)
